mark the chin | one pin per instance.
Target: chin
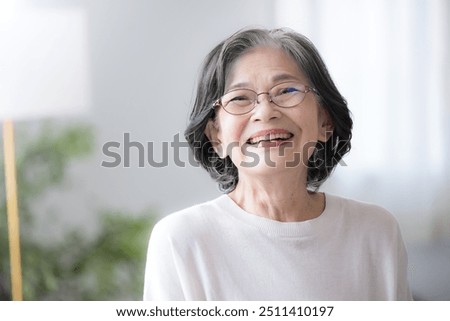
(271, 161)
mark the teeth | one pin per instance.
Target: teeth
(269, 137)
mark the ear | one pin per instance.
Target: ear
(212, 132)
(326, 126)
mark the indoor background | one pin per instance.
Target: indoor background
(85, 223)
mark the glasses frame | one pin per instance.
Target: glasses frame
(218, 102)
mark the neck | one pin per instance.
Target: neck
(282, 198)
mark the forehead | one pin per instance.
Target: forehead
(263, 66)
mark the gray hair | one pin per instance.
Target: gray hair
(211, 86)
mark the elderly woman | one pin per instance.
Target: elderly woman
(269, 125)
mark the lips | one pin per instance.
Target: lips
(270, 136)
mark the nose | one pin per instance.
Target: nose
(264, 109)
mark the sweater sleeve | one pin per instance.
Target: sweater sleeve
(403, 289)
(162, 281)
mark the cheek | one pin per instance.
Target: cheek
(307, 121)
(231, 129)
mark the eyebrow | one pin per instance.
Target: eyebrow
(282, 77)
(275, 79)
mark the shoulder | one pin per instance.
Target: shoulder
(188, 222)
(367, 225)
(363, 214)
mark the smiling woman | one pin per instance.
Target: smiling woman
(266, 95)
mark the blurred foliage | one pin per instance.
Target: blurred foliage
(107, 266)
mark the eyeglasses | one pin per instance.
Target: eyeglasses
(244, 100)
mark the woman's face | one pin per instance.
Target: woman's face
(268, 137)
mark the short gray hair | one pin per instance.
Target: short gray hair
(211, 86)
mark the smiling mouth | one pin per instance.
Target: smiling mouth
(270, 138)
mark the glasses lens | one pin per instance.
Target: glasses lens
(239, 101)
(288, 94)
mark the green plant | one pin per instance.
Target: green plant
(106, 266)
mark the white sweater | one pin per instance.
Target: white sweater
(218, 251)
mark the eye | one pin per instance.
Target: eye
(239, 98)
(287, 90)
(240, 101)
